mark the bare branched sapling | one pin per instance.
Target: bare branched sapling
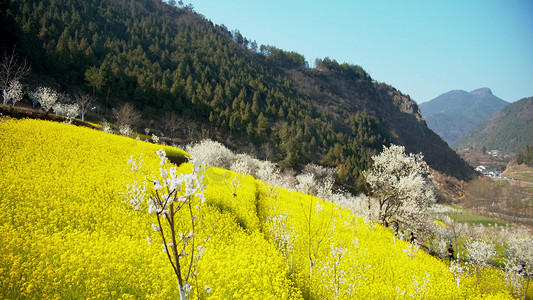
(317, 231)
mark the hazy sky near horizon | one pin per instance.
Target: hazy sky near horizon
(423, 48)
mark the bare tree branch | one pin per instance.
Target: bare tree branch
(12, 70)
(84, 101)
(173, 122)
(127, 115)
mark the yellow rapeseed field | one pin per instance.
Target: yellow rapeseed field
(66, 233)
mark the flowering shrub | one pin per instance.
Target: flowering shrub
(284, 236)
(125, 130)
(212, 153)
(68, 110)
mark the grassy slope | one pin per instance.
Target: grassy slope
(65, 232)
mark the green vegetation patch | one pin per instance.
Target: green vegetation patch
(523, 176)
(475, 220)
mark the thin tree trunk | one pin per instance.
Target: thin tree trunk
(527, 285)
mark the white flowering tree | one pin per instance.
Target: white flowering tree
(242, 164)
(305, 183)
(45, 96)
(125, 130)
(67, 110)
(11, 72)
(400, 188)
(175, 197)
(155, 139)
(13, 92)
(270, 175)
(420, 287)
(342, 268)
(519, 262)
(458, 270)
(284, 236)
(480, 253)
(106, 127)
(212, 153)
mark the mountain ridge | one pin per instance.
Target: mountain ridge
(453, 114)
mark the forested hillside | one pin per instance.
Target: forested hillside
(509, 130)
(526, 156)
(164, 58)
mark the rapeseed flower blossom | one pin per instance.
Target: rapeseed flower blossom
(66, 233)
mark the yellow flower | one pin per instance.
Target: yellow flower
(66, 233)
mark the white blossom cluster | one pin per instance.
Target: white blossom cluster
(518, 261)
(106, 127)
(284, 236)
(241, 165)
(13, 92)
(458, 270)
(401, 187)
(155, 139)
(340, 264)
(212, 153)
(48, 98)
(520, 252)
(480, 252)
(334, 271)
(67, 110)
(45, 96)
(269, 173)
(135, 164)
(314, 180)
(135, 194)
(125, 130)
(305, 183)
(420, 287)
(173, 188)
(438, 246)
(411, 250)
(173, 192)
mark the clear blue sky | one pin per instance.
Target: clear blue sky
(423, 48)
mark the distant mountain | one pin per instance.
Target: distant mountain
(453, 114)
(509, 130)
